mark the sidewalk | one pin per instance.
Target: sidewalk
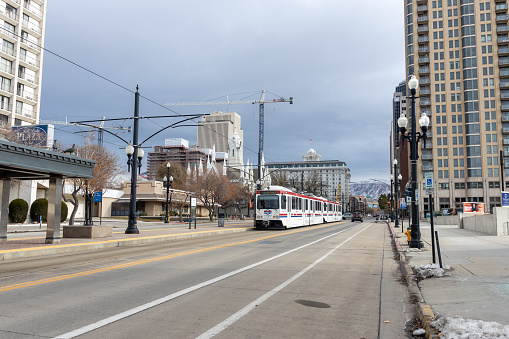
(25, 241)
(477, 284)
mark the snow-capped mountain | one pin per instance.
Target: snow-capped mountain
(373, 188)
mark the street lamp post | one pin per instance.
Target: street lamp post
(413, 139)
(165, 181)
(391, 199)
(397, 177)
(134, 163)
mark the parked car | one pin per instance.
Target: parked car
(356, 216)
(347, 215)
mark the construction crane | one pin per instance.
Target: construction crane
(261, 102)
(100, 128)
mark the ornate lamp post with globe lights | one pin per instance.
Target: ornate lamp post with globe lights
(397, 179)
(413, 138)
(168, 185)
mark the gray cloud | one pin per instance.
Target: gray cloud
(340, 61)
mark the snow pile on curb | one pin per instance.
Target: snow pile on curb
(459, 328)
(430, 270)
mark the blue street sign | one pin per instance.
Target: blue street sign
(98, 196)
(505, 199)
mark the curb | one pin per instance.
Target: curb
(425, 312)
(90, 246)
(427, 316)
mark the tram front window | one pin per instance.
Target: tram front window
(268, 202)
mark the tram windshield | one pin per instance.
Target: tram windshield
(268, 202)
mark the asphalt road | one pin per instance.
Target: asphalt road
(335, 280)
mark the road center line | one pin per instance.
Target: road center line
(162, 300)
(236, 316)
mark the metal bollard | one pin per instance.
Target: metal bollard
(438, 249)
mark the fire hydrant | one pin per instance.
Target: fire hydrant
(409, 237)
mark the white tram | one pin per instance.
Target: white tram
(279, 207)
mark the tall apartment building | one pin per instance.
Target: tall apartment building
(459, 51)
(22, 26)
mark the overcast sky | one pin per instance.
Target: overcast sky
(340, 60)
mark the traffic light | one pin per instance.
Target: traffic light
(360, 198)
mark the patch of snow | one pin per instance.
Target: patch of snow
(419, 332)
(430, 270)
(459, 328)
(413, 250)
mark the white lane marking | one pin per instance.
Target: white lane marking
(233, 318)
(109, 320)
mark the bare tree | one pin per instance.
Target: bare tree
(210, 188)
(105, 171)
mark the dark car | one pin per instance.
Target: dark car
(356, 216)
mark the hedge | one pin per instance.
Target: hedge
(18, 211)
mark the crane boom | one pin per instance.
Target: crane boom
(261, 102)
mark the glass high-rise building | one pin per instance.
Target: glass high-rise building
(459, 51)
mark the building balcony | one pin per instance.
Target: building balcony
(6, 88)
(423, 49)
(503, 50)
(502, 17)
(429, 144)
(505, 105)
(502, 29)
(26, 113)
(39, 2)
(504, 83)
(427, 167)
(423, 18)
(30, 79)
(505, 128)
(427, 111)
(32, 63)
(13, 3)
(503, 61)
(424, 70)
(32, 46)
(9, 15)
(423, 38)
(27, 95)
(422, 1)
(502, 39)
(505, 140)
(422, 29)
(501, 8)
(424, 91)
(427, 156)
(35, 30)
(5, 108)
(425, 102)
(8, 35)
(424, 60)
(425, 81)
(422, 8)
(505, 117)
(5, 70)
(32, 9)
(504, 72)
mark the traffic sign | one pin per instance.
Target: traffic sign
(98, 196)
(428, 177)
(429, 191)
